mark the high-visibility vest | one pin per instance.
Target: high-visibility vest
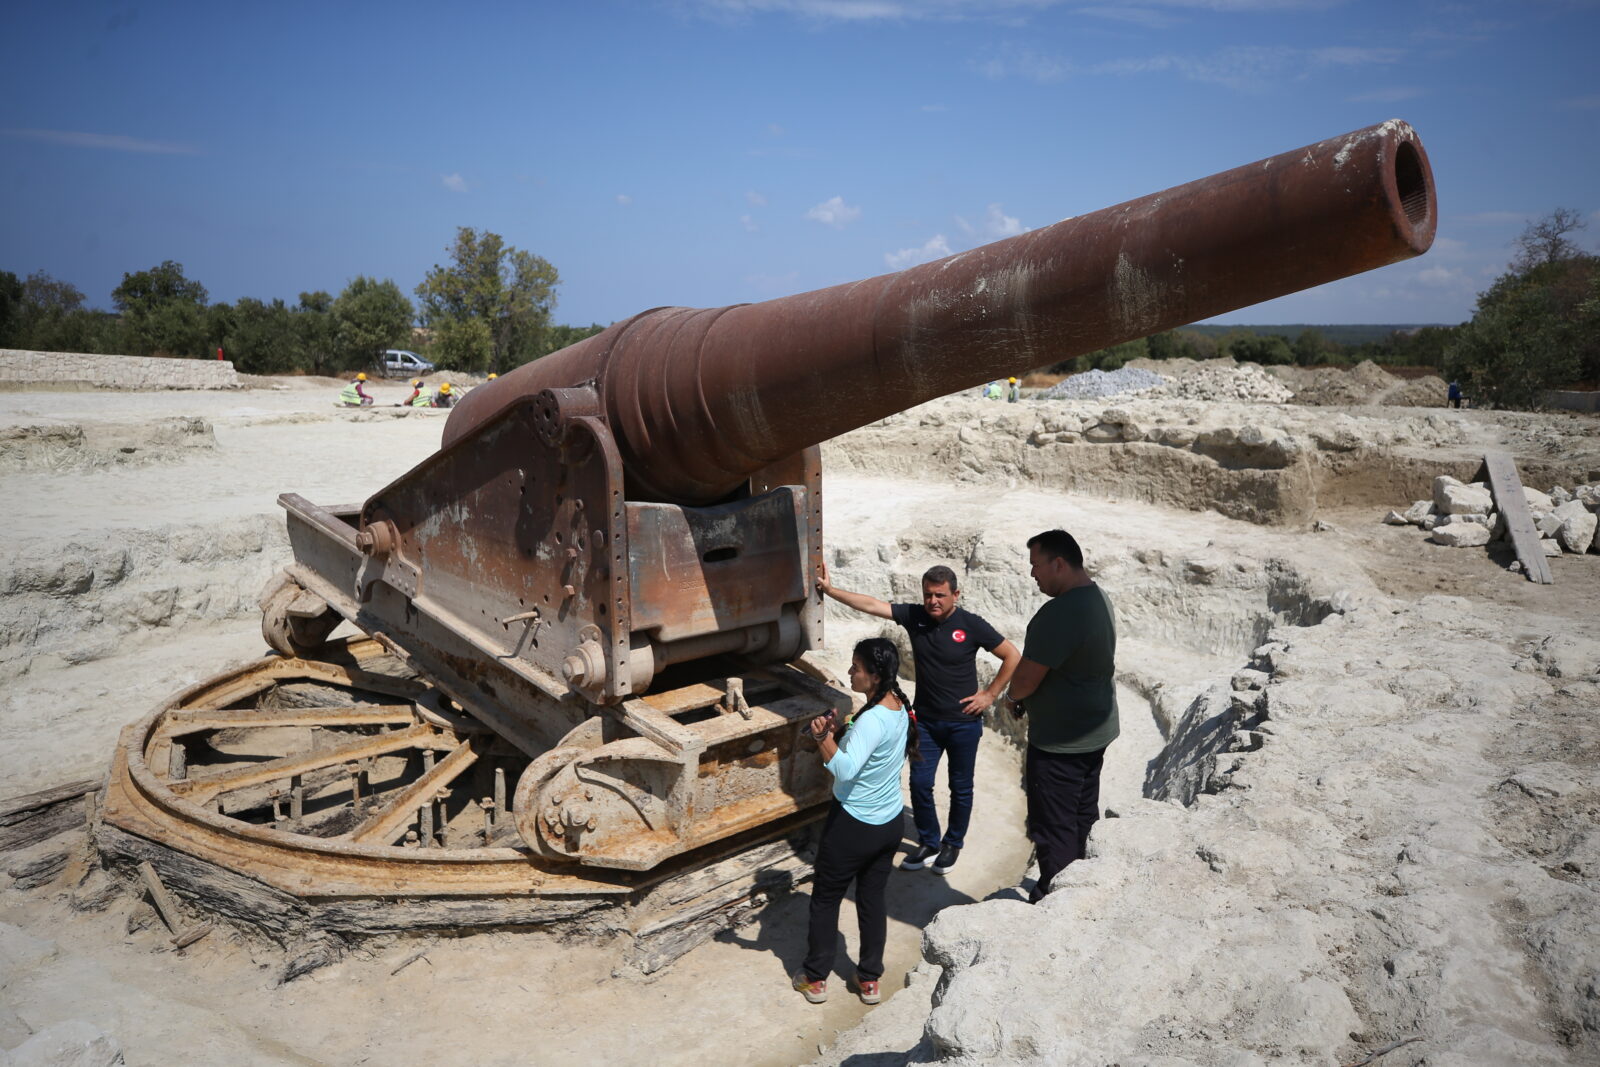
(422, 400)
(350, 396)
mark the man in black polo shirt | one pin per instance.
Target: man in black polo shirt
(949, 706)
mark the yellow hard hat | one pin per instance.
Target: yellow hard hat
(361, 377)
(493, 376)
(445, 388)
(1013, 381)
(416, 383)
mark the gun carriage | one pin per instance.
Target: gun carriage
(601, 585)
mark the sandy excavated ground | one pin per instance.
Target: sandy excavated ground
(1388, 831)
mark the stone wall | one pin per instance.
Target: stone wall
(78, 370)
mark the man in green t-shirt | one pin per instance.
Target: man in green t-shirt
(1067, 679)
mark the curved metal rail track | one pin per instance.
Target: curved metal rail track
(347, 790)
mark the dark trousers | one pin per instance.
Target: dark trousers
(1063, 804)
(851, 850)
(960, 741)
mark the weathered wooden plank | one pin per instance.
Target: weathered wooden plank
(40, 824)
(201, 790)
(194, 720)
(46, 797)
(1512, 504)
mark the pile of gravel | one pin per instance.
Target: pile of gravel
(1091, 385)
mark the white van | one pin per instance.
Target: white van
(398, 363)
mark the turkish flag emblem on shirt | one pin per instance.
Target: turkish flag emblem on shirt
(958, 636)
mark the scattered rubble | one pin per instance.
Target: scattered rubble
(1094, 384)
(1240, 382)
(1463, 515)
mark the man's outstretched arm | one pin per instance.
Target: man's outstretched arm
(861, 602)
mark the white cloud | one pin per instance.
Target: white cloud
(624, 199)
(1026, 64)
(454, 182)
(1137, 16)
(1392, 95)
(1238, 66)
(114, 142)
(755, 199)
(834, 212)
(1442, 277)
(748, 223)
(1582, 103)
(936, 248)
(964, 226)
(1489, 218)
(998, 224)
(1003, 11)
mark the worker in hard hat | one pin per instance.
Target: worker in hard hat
(493, 376)
(1013, 390)
(355, 395)
(443, 398)
(416, 391)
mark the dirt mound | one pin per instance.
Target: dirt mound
(1426, 392)
(1365, 383)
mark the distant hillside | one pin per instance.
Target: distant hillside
(1341, 334)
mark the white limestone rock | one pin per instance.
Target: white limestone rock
(1547, 524)
(1460, 535)
(1536, 500)
(1559, 495)
(1418, 511)
(1577, 533)
(1432, 520)
(1551, 546)
(1461, 499)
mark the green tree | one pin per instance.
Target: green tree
(262, 339)
(1546, 240)
(559, 337)
(1533, 330)
(368, 317)
(507, 292)
(317, 333)
(1267, 351)
(1310, 348)
(162, 311)
(12, 311)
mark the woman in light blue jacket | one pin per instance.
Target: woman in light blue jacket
(863, 826)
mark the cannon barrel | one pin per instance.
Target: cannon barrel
(699, 399)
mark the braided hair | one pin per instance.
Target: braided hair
(882, 660)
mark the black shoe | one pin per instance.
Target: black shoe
(917, 857)
(947, 859)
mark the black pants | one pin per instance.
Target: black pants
(1063, 804)
(851, 850)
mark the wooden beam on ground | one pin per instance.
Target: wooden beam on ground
(1512, 504)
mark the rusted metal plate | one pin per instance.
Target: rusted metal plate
(709, 570)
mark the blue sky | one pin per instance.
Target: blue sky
(707, 152)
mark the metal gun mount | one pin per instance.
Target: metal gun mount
(610, 560)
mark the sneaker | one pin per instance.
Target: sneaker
(815, 992)
(947, 859)
(917, 857)
(867, 989)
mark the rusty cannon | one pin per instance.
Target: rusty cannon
(585, 614)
